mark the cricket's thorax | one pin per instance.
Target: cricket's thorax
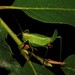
(37, 39)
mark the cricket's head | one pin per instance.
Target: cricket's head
(25, 36)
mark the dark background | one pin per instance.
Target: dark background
(15, 17)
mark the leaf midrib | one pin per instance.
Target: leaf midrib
(37, 8)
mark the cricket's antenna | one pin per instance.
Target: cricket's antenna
(17, 21)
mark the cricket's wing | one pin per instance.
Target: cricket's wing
(39, 40)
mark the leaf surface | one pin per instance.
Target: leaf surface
(69, 68)
(5, 51)
(41, 70)
(49, 11)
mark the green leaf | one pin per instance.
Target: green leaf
(16, 69)
(69, 68)
(50, 11)
(5, 51)
(6, 59)
(41, 70)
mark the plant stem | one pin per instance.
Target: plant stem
(30, 63)
(13, 35)
(44, 62)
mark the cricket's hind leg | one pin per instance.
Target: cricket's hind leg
(45, 53)
(49, 46)
(60, 38)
